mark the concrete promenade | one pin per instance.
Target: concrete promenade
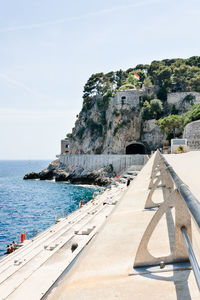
(30, 271)
(104, 269)
(108, 232)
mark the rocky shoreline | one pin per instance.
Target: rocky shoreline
(57, 171)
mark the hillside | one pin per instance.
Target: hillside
(124, 106)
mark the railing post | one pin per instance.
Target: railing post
(179, 253)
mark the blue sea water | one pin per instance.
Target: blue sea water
(31, 206)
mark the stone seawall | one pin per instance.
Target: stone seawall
(93, 162)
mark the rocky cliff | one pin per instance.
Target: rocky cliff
(121, 110)
(122, 107)
(103, 129)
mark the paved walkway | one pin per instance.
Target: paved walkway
(187, 167)
(31, 270)
(103, 269)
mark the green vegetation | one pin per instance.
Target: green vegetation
(109, 168)
(170, 75)
(152, 110)
(189, 99)
(180, 149)
(116, 112)
(94, 127)
(192, 114)
(173, 124)
(81, 132)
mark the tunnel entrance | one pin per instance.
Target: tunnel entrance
(135, 148)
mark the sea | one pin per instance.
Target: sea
(31, 206)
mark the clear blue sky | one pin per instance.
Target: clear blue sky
(49, 48)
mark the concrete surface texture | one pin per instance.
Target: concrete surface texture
(105, 267)
(93, 162)
(30, 271)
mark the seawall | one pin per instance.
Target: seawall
(92, 162)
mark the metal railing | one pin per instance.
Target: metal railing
(179, 196)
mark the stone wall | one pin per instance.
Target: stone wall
(192, 134)
(126, 99)
(65, 146)
(94, 162)
(176, 98)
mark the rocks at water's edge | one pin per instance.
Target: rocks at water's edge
(32, 175)
(76, 176)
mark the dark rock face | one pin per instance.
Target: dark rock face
(61, 176)
(46, 174)
(97, 177)
(31, 175)
(75, 176)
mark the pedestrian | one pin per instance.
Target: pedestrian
(8, 249)
(128, 182)
(12, 247)
(15, 245)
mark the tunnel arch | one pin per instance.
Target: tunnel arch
(135, 148)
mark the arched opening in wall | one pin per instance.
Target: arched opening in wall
(135, 148)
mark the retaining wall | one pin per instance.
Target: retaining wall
(176, 98)
(192, 134)
(93, 162)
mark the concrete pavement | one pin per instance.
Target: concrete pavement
(30, 271)
(103, 269)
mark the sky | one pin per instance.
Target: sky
(49, 49)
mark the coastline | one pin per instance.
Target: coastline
(75, 175)
(78, 227)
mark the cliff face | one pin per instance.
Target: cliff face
(105, 126)
(120, 108)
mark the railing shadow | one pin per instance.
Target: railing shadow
(180, 280)
(179, 277)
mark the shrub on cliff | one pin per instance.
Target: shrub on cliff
(81, 132)
(146, 111)
(192, 114)
(152, 110)
(94, 127)
(156, 108)
(171, 124)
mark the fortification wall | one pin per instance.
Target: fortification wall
(129, 98)
(93, 162)
(176, 98)
(192, 134)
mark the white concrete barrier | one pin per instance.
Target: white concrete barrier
(97, 161)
